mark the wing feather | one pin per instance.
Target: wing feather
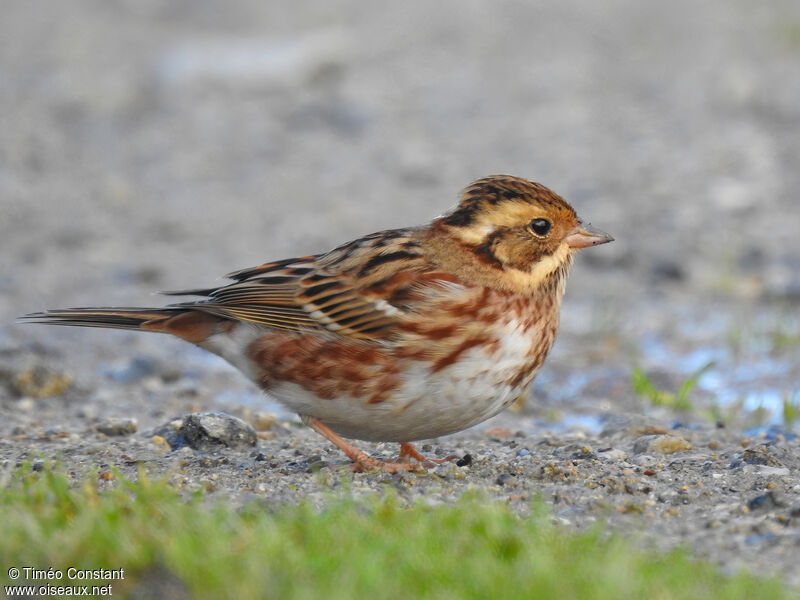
(362, 289)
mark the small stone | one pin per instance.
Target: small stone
(523, 452)
(667, 444)
(170, 434)
(213, 430)
(40, 382)
(315, 463)
(504, 479)
(583, 453)
(117, 426)
(662, 444)
(767, 470)
(766, 501)
(464, 461)
(614, 454)
(262, 421)
(642, 444)
(760, 457)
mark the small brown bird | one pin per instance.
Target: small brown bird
(400, 335)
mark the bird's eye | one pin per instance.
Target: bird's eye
(540, 227)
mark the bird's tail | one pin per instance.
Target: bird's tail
(115, 318)
(189, 324)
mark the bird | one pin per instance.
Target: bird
(398, 336)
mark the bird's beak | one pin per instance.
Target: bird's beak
(586, 235)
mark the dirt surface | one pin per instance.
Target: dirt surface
(158, 144)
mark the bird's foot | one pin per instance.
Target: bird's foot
(407, 451)
(364, 462)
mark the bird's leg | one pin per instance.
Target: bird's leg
(361, 462)
(408, 451)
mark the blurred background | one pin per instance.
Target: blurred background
(158, 144)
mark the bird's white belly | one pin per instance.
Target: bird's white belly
(427, 404)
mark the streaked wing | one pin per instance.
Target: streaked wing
(360, 289)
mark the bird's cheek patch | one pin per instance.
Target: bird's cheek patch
(518, 254)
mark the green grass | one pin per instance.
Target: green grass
(791, 409)
(354, 549)
(679, 400)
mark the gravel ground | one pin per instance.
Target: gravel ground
(158, 144)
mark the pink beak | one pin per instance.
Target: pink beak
(586, 235)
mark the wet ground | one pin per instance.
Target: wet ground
(157, 145)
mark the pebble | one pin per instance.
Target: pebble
(464, 461)
(117, 426)
(760, 457)
(262, 421)
(767, 470)
(766, 501)
(642, 444)
(212, 430)
(667, 444)
(40, 382)
(504, 479)
(614, 455)
(661, 444)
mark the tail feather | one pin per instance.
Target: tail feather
(187, 322)
(116, 318)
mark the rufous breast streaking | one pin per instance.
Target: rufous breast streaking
(400, 335)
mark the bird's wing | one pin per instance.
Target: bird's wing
(362, 289)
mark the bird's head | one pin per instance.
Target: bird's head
(519, 229)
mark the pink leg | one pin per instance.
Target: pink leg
(361, 462)
(408, 451)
